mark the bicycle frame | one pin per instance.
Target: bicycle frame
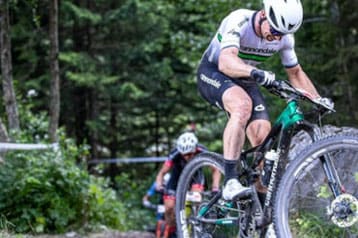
(290, 121)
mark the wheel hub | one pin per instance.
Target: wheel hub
(344, 210)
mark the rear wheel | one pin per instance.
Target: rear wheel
(219, 220)
(305, 205)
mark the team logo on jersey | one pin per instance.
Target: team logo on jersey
(259, 108)
(234, 32)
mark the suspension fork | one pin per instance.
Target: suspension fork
(316, 133)
(334, 181)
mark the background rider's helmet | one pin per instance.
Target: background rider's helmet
(284, 16)
(187, 143)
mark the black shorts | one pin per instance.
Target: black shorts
(170, 189)
(212, 84)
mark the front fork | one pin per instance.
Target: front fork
(334, 181)
(329, 169)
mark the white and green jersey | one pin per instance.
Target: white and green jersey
(237, 30)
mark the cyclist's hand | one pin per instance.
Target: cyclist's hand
(327, 102)
(264, 78)
(147, 203)
(306, 93)
(159, 188)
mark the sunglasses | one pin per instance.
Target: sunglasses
(274, 32)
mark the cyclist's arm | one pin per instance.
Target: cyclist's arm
(160, 176)
(300, 80)
(231, 65)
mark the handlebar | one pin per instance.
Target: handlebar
(285, 90)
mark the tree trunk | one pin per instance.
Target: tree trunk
(6, 68)
(55, 72)
(3, 132)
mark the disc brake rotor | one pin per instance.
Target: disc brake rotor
(344, 210)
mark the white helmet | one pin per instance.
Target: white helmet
(284, 16)
(187, 143)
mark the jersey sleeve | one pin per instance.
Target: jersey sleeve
(151, 190)
(231, 29)
(171, 157)
(287, 53)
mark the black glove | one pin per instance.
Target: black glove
(264, 78)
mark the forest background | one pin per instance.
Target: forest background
(116, 79)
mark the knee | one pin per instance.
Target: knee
(241, 111)
(257, 131)
(238, 104)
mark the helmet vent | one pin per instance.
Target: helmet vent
(273, 16)
(290, 26)
(283, 21)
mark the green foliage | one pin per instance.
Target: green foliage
(311, 226)
(45, 192)
(130, 192)
(82, 14)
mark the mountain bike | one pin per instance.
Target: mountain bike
(311, 195)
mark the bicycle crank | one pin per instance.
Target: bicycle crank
(344, 210)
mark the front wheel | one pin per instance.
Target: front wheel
(317, 196)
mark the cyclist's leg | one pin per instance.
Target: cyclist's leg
(222, 91)
(259, 125)
(169, 201)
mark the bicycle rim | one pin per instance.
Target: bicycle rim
(305, 205)
(186, 212)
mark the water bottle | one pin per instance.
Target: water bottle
(270, 158)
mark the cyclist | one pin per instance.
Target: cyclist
(228, 77)
(159, 207)
(150, 193)
(186, 148)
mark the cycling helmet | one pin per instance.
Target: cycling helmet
(284, 16)
(187, 143)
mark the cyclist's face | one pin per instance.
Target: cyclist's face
(188, 156)
(269, 33)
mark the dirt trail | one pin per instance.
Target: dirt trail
(105, 234)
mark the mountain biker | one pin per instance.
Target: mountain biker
(187, 147)
(159, 206)
(229, 79)
(150, 193)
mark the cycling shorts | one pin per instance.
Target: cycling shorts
(197, 182)
(212, 84)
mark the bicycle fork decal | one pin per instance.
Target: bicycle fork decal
(184, 226)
